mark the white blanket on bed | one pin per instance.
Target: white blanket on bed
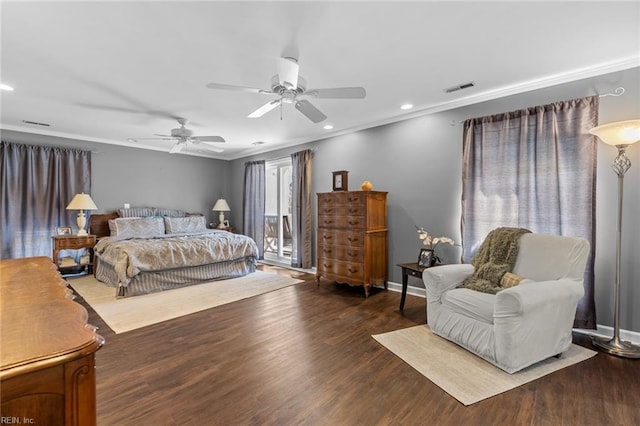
(130, 256)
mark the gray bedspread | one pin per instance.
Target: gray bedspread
(131, 256)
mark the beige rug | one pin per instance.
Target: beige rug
(139, 311)
(463, 375)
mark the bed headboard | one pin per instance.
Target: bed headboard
(99, 223)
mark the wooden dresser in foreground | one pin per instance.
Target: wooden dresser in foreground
(352, 238)
(47, 366)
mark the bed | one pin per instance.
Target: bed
(146, 250)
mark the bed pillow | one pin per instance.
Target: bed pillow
(136, 227)
(137, 212)
(180, 225)
(170, 212)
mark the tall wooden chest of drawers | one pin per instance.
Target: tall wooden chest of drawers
(352, 238)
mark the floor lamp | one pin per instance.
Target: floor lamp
(620, 134)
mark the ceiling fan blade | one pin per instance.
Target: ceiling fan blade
(238, 88)
(265, 109)
(177, 147)
(152, 139)
(338, 93)
(311, 112)
(211, 148)
(208, 139)
(288, 71)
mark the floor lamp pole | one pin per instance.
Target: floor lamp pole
(615, 345)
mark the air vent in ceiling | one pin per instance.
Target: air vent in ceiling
(35, 123)
(460, 87)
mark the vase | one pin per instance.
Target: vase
(366, 185)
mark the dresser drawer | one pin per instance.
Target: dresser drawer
(340, 252)
(358, 209)
(351, 222)
(336, 269)
(340, 237)
(340, 198)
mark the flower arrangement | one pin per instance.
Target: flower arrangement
(431, 242)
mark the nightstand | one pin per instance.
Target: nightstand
(409, 269)
(73, 242)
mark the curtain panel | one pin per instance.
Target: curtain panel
(534, 168)
(36, 185)
(253, 203)
(301, 209)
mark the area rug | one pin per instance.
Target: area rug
(140, 311)
(463, 375)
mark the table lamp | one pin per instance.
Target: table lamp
(221, 206)
(82, 202)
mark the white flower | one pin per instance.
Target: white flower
(430, 241)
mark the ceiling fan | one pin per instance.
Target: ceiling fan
(183, 136)
(291, 88)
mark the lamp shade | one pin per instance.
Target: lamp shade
(618, 133)
(82, 202)
(221, 206)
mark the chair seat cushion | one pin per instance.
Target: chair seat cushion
(470, 303)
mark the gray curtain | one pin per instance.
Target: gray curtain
(534, 168)
(301, 209)
(36, 184)
(253, 203)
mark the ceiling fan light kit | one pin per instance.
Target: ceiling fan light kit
(291, 88)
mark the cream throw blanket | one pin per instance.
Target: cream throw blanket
(495, 257)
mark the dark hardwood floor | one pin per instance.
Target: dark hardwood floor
(304, 355)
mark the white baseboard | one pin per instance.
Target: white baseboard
(606, 331)
(412, 290)
(601, 331)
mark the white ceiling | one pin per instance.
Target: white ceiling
(106, 72)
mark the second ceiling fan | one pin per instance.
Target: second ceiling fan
(183, 136)
(291, 88)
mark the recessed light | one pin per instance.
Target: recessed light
(406, 106)
(328, 127)
(6, 87)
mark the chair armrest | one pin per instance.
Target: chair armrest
(532, 296)
(533, 321)
(439, 279)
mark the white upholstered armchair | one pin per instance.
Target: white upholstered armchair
(520, 325)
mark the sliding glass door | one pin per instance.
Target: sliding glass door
(277, 215)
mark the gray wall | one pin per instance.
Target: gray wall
(418, 161)
(144, 178)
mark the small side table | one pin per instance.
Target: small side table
(409, 269)
(73, 242)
